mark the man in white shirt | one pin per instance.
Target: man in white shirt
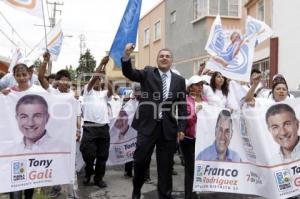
(95, 140)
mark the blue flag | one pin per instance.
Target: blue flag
(127, 31)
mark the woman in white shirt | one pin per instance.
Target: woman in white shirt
(279, 92)
(217, 93)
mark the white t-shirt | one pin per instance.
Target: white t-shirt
(33, 89)
(95, 106)
(215, 98)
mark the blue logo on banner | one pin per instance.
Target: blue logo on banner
(283, 179)
(19, 170)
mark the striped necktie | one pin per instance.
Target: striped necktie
(164, 86)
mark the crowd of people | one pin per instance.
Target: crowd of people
(158, 124)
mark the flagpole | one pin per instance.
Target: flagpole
(44, 23)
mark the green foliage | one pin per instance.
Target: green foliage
(72, 72)
(87, 63)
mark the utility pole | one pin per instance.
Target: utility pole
(52, 20)
(82, 44)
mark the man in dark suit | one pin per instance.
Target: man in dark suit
(162, 98)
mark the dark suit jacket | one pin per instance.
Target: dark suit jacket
(151, 101)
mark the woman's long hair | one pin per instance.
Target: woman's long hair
(224, 87)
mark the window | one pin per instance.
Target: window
(204, 8)
(200, 9)
(173, 17)
(264, 67)
(261, 10)
(146, 36)
(132, 58)
(157, 30)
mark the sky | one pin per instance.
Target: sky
(97, 20)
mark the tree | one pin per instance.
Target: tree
(72, 72)
(87, 63)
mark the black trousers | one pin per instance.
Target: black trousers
(164, 156)
(28, 194)
(188, 150)
(128, 168)
(95, 147)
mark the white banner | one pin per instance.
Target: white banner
(37, 140)
(32, 7)
(233, 61)
(258, 29)
(122, 135)
(255, 152)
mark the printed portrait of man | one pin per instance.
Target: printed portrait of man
(121, 124)
(32, 117)
(283, 126)
(219, 150)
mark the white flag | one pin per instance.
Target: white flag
(54, 42)
(233, 61)
(32, 7)
(16, 56)
(258, 29)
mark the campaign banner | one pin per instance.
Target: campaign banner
(256, 151)
(258, 29)
(234, 60)
(37, 140)
(122, 135)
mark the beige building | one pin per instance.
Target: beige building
(4, 64)
(280, 54)
(114, 73)
(151, 34)
(265, 57)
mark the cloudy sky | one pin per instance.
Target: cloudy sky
(98, 20)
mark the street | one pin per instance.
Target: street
(120, 187)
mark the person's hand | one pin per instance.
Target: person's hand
(180, 136)
(46, 56)
(251, 103)
(256, 78)
(104, 60)
(128, 50)
(78, 136)
(5, 91)
(103, 63)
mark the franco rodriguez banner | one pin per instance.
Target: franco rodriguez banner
(256, 151)
(37, 140)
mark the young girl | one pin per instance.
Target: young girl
(20, 72)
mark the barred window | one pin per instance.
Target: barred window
(146, 36)
(230, 8)
(261, 10)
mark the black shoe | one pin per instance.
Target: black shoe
(128, 175)
(100, 183)
(86, 180)
(136, 195)
(174, 173)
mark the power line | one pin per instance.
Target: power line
(14, 30)
(7, 37)
(48, 11)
